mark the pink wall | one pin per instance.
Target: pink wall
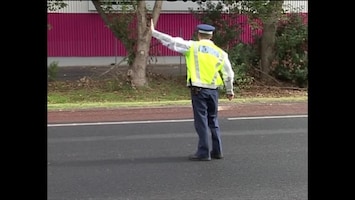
(74, 34)
(85, 34)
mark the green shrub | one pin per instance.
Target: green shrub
(291, 61)
(243, 57)
(52, 71)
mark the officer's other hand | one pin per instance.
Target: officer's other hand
(230, 96)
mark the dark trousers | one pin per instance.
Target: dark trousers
(205, 110)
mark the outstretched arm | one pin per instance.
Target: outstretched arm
(174, 43)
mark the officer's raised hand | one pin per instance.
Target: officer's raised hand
(151, 25)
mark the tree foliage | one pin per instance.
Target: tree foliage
(222, 17)
(291, 60)
(54, 5)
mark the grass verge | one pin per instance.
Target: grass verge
(87, 93)
(113, 105)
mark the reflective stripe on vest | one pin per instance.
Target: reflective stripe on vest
(204, 61)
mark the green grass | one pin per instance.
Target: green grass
(104, 91)
(108, 105)
(162, 91)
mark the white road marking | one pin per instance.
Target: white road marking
(168, 121)
(269, 117)
(119, 123)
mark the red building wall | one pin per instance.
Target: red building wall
(85, 34)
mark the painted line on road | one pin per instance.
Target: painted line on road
(167, 121)
(120, 123)
(269, 117)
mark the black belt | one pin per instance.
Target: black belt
(200, 88)
(195, 89)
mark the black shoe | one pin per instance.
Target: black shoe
(199, 158)
(216, 156)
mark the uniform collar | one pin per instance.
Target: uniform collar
(206, 40)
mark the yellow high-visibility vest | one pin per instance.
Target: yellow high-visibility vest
(204, 60)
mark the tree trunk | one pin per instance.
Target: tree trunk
(267, 48)
(137, 72)
(138, 50)
(268, 38)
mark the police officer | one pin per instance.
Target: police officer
(205, 61)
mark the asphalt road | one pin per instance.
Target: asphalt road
(265, 159)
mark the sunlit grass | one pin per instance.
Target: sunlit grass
(161, 91)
